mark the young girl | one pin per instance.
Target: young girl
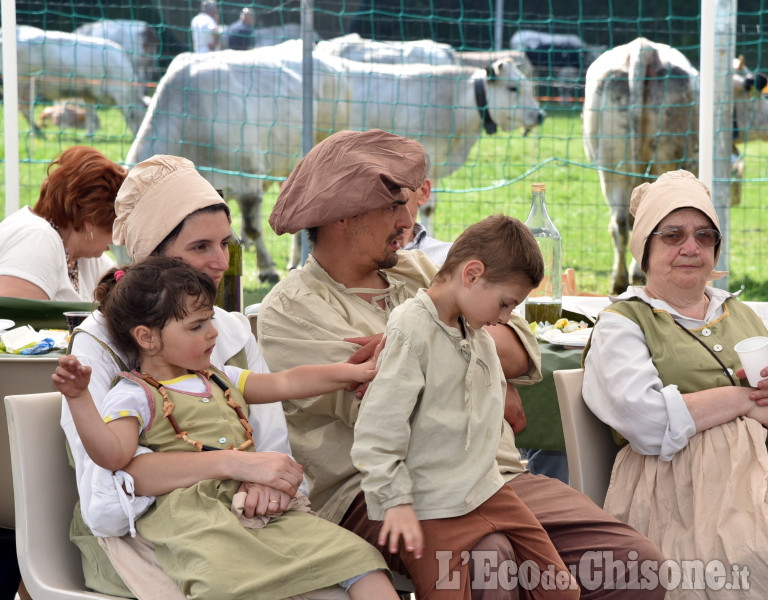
(159, 312)
(429, 425)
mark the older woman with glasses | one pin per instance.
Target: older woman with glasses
(661, 370)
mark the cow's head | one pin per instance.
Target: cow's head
(511, 103)
(750, 105)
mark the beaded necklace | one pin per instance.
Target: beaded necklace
(73, 269)
(168, 407)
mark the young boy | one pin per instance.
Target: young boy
(429, 425)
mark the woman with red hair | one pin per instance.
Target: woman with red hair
(54, 250)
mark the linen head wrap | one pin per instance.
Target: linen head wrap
(652, 202)
(157, 195)
(345, 175)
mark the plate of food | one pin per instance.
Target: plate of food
(573, 339)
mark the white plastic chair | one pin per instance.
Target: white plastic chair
(44, 491)
(588, 441)
(17, 376)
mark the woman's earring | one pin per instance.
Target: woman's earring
(89, 236)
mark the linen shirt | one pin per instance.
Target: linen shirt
(430, 423)
(652, 416)
(31, 249)
(304, 320)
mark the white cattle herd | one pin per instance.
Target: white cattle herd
(237, 114)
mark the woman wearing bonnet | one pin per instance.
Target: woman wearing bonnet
(165, 207)
(661, 370)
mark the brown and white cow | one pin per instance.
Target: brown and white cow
(641, 119)
(67, 113)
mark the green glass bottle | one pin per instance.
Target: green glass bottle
(230, 294)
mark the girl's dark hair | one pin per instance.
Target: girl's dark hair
(151, 293)
(503, 244)
(213, 208)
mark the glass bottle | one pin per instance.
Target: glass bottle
(230, 294)
(544, 303)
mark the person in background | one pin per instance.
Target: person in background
(55, 250)
(240, 34)
(552, 463)
(416, 237)
(427, 433)
(349, 192)
(660, 368)
(205, 28)
(165, 207)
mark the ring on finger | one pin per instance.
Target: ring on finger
(275, 501)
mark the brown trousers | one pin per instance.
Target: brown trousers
(443, 573)
(607, 557)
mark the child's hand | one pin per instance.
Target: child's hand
(365, 372)
(401, 521)
(362, 373)
(71, 378)
(370, 365)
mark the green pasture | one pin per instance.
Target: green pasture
(496, 178)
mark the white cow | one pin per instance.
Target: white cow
(446, 108)
(137, 38)
(55, 65)
(240, 112)
(353, 47)
(641, 119)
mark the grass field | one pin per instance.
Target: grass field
(496, 178)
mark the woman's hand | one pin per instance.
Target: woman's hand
(263, 500)
(401, 521)
(270, 469)
(71, 378)
(760, 393)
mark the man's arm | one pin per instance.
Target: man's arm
(518, 350)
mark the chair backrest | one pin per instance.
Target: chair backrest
(588, 441)
(45, 492)
(252, 319)
(18, 376)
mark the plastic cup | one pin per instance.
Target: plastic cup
(74, 318)
(753, 353)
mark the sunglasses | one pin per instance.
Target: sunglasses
(674, 236)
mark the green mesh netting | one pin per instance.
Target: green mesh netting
(499, 168)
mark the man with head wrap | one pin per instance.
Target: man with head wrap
(348, 192)
(166, 207)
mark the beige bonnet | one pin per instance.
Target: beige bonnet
(157, 195)
(652, 202)
(346, 175)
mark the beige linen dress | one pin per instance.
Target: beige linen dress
(707, 508)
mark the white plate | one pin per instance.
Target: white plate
(576, 339)
(6, 324)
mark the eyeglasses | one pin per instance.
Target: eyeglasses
(674, 236)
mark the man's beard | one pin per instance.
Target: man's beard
(390, 260)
